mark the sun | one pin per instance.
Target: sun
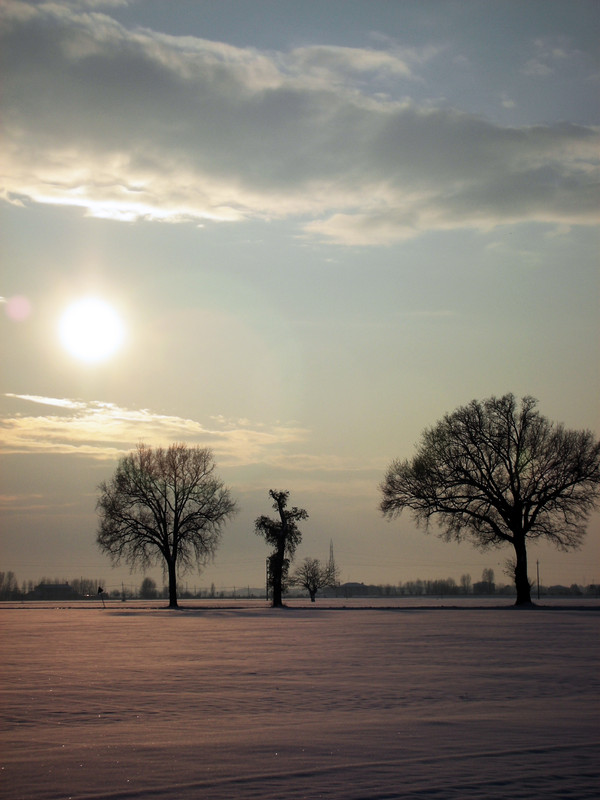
(91, 330)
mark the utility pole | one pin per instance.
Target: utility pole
(537, 564)
(268, 571)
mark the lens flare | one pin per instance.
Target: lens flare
(18, 308)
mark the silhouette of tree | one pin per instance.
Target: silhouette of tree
(498, 473)
(8, 585)
(312, 576)
(164, 506)
(148, 589)
(487, 577)
(284, 536)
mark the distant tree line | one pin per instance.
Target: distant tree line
(447, 587)
(77, 587)
(87, 588)
(84, 588)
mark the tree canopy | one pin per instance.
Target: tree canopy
(499, 472)
(164, 506)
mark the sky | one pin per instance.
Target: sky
(322, 227)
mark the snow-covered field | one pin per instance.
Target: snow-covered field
(243, 701)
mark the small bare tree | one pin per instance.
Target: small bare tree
(148, 589)
(164, 506)
(312, 576)
(487, 577)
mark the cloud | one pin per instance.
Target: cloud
(548, 51)
(106, 431)
(59, 402)
(132, 124)
(323, 66)
(31, 503)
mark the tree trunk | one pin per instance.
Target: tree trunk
(521, 579)
(172, 585)
(277, 577)
(277, 594)
(312, 596)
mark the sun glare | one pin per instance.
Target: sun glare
(90, 329)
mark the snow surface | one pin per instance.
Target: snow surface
(244, 701)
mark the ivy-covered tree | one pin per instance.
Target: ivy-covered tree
(283, 535)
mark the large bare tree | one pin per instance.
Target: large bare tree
(499, 472)
(283, 534)
(164, 505)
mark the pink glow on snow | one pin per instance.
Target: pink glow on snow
(248, 702)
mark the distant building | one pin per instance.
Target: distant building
(53, 591)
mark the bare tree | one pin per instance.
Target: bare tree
(487, 577)
(164, 506)
(284, 536)
(499, 473)
(148, 590)
(8, 585)
(312, 576)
